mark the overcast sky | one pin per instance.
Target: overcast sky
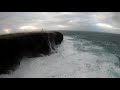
(85, 21)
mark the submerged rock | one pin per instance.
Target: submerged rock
(15, 46)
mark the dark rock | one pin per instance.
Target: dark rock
(13, 47)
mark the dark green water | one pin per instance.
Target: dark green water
(80, 55)
(110, 42)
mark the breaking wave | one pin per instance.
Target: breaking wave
(74, 59)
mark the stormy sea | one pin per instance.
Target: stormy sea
(82, 54)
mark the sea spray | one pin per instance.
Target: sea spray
(76, 57)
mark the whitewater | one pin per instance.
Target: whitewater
(70, 62)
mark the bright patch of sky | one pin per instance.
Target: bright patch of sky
(83, 21)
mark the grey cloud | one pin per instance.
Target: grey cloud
(52, 20)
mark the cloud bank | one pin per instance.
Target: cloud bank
(84, 21)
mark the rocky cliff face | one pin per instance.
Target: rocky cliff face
(13, 47)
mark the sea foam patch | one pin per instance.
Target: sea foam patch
(69, 62)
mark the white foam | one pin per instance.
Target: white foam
(69, 62)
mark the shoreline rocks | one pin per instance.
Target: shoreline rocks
(13, 47)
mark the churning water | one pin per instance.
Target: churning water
(81, 55)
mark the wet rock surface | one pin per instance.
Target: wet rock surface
(13, 47)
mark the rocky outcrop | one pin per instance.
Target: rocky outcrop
(13, 47)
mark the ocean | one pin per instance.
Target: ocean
(82, 54)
